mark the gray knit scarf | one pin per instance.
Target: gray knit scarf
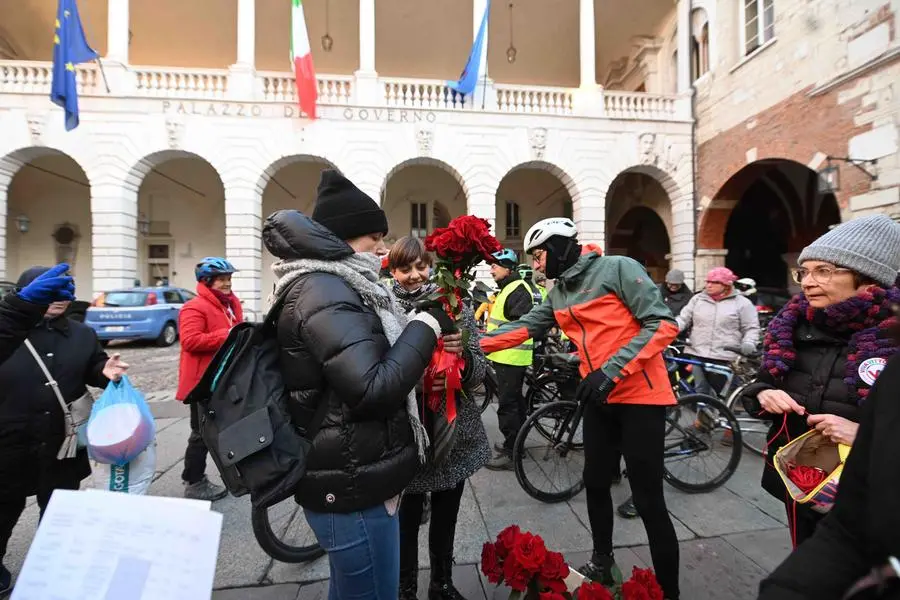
(360, 271)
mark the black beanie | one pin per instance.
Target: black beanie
(29, 275)
(345, 209)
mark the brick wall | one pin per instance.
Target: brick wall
(833, 89)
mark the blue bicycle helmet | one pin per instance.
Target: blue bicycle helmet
(211, 266)
(506, 258)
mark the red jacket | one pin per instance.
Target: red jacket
(203, 326)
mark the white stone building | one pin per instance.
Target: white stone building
(199, 136)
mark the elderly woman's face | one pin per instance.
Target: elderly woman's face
(825, 284)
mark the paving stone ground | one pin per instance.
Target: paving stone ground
(730, 537)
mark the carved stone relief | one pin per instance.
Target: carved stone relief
(537, 137)
(36, 128)
(424, 141)
(174, 129)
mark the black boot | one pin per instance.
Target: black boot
(409, 583)
(441, 587)
(599, 569)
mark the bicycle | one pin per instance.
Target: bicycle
(737, 377)
(287, 551)
(705, 414)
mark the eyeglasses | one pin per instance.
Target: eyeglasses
(537, 255)
(821, 274)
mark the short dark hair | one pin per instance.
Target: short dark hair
(408, 250)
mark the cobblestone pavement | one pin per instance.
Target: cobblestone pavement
(153, 370)
(730, 538)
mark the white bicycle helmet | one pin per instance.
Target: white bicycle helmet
(745, 286)
(541, 231)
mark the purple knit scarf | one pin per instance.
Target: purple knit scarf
(867, 315)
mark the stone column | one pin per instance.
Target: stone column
(366, 89)
(242, 74)
(684, 46)
(117, 31)
(481, 201)
(8, 169)
(484, 87)
(588, 98)
(118, 39)
(682, 234)
(587, 54)
(243, 244)
(114, 234)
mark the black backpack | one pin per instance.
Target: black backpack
(245, 416)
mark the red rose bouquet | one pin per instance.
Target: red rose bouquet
(521, 561)
(458, 248)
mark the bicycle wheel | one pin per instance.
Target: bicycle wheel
(539, 459)
(704, 440)
(486, 393)
(544, 391)
(754, 432)
(297, 548)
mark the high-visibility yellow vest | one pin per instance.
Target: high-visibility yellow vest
(521, 355)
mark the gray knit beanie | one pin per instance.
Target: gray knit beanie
(868, 245)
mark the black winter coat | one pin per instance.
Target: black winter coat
(863, 528)
(31, 420)
(816, 382)
(17, 319)
(334, 350)
(675, 300)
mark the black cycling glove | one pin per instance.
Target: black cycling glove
(596, 388)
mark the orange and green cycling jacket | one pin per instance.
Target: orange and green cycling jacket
(615, 315)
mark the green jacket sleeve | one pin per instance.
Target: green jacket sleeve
(658, 327)
(535, 323)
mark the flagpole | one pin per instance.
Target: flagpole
(103, 74)
(487, 48)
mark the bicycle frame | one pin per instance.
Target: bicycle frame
(707, 367)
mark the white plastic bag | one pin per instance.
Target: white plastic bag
(131, 478)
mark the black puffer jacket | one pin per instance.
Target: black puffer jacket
(816, 382)
(334, 350)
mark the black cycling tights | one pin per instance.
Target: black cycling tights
(638, 431)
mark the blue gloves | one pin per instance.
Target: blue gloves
(594, 388)
(49, 287)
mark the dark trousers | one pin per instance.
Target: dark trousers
(11, 508)
(441, 528)
(195, 455)
(511, 410)
(638, 432)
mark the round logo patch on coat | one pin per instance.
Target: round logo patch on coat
(871, 368)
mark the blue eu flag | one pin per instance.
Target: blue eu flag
(469, 77)
(69, 49)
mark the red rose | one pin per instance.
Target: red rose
(633, 590)
(490, 563)
(514, 575)
(593, 591)
(552, 585)
(551, 596)
(646, 580)
(554, 567)
(530, 552)
(506, 540)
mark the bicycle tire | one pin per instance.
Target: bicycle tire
(518, 462)
(745, 440)
(540, 386)
(490, 388)
(733, 461)
(274, 547)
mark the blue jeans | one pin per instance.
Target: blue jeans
(363, 552)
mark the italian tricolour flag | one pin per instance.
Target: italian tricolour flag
(301, 57)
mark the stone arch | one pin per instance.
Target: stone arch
(288, 160)
(540, 189)
(450, 200)
(21, 222)
(423, 161)
(780, 210)
(180, 215)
